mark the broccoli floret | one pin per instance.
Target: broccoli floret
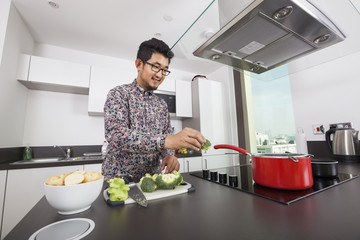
(179, 178)
(155, 176)
(206, 145)
(147, 183)
(118, 190)
(166, 181)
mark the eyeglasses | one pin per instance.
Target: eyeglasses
(156, 69)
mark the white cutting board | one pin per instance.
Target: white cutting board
(160, 193)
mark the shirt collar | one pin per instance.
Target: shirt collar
(142, 90)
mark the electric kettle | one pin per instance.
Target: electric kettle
(344, 143)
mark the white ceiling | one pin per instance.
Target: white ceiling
(117, 27)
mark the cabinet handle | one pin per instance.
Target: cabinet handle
(205, 160)
(188, 165)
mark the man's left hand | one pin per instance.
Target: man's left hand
(171, 163)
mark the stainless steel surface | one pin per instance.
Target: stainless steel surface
(135, 193)
(346, 142)
(76, 228)
(49, 160)
(260, 38)
(67, 154)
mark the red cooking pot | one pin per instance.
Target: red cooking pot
(288, 171)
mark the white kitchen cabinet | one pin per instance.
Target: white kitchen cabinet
(101, 81)
(183, 98)
(92, 167)
(218, 161)
(24, 188)
(2, 193)
(47, 74)
(168, 85)
(192, 164)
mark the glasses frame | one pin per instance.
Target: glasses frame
(157, 69)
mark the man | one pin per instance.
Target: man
(137, 122)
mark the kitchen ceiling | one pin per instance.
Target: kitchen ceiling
(116, 28)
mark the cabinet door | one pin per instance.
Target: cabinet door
(167, 85)
(183, 99)
(24, 188)
(213, 118)
(101, 81)
(92, 167)
(218, 161)
(23, 67)
(2, 193)
(192, 164)
(46, 70)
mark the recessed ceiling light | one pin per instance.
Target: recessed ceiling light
(53, 4)
(167, 18)
(157, 35)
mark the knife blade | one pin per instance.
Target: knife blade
(135, 193)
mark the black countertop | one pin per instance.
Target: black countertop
(217, 212)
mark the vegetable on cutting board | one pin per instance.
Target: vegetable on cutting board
(150, 183)
(118, 190)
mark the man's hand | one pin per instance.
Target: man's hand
(186, 138)
(171, 163)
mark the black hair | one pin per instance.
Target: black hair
(147, 48)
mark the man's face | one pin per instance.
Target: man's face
(147, 78)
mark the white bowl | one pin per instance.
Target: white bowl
(75, 198)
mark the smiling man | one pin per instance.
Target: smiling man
(137, 122)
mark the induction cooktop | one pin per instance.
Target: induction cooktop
(240, 178)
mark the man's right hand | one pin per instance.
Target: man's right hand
(186, 138)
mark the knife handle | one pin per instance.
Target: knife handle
(127, 178)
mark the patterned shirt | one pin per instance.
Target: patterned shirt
(136, 124)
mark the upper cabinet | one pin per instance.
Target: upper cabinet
(41, 73)
(168, 85)
(101, 81)
(183, 98)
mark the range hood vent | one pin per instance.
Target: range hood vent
(269, 33)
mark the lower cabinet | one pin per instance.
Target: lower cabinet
(24, 188)
(92, 167)
(219, 161)
(2, 193)
(192, 164)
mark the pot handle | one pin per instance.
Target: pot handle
(227, 146)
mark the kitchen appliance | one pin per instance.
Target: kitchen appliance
(282, 171)
(240, 178)
(325, 169)
(170, 100)
(343, 143)
(268, 33)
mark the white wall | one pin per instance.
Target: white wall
(13, 95)
(327, 93)
(325, 85)
(62, 119)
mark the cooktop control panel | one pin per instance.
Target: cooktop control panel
(240, 178)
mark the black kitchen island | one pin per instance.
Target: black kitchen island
(214, 211)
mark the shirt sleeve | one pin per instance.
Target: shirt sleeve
(117, 130)
(169, 131)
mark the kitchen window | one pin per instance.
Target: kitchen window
(268, 111)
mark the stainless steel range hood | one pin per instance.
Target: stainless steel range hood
(269, 33)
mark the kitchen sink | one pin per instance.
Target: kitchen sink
(49, 160)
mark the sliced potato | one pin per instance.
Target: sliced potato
(74, 178)
(55, 181)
